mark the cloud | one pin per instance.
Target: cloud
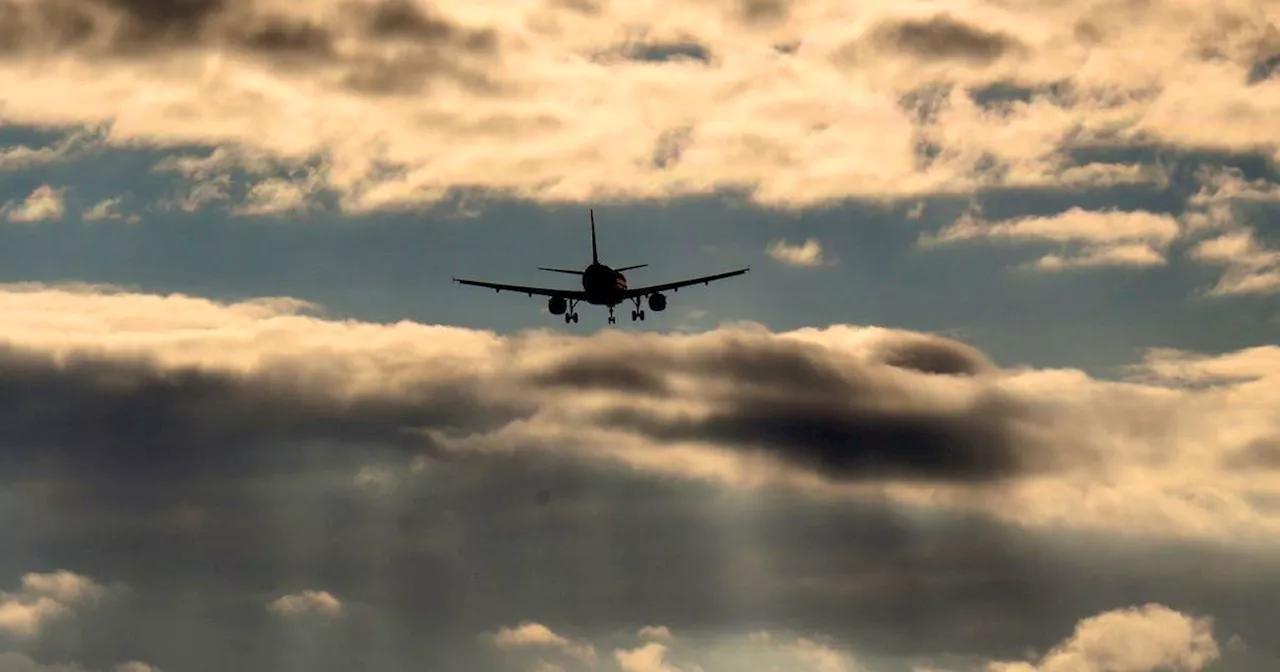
(103, 382)
(43, 204)
(71, 146)
(397, 103)
(1142, 639)
(1104, 238)
(530, 634)
(724, 650)
(650, 657)
(655, 632)
(318, 602)
(1220, 184)
(277, 196)
(807, 254)
(42, 598)
(1252, 268)
(943, 37)
(108, 209)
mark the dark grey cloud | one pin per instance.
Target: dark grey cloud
(660, 52)
(98, 418)
(431, 45)
(204, 493)
(944, 37)
(810, 406)
(109, 418)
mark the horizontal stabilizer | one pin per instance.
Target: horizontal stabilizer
(628, 268)
(560, 270)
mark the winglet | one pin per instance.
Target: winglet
(595, 256)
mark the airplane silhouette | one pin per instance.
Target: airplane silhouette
(602, 286)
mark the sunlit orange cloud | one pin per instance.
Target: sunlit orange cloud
(395, 102)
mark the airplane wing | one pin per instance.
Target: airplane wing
(576, 295)
(706, 279)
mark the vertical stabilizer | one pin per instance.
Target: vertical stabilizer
(595, 256)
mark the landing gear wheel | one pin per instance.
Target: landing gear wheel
(613, 320)
(575, 318)
(568, 317)
(642, 316)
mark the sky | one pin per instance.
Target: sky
(999, 394)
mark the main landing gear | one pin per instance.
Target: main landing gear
(638, 313)
(571, 315)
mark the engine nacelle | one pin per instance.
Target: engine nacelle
(657, 303)
(557, 305)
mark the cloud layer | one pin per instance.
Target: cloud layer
(101, 383)
(395, 102)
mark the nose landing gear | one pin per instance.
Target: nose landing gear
(612, 319)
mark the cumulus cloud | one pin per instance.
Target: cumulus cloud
(530, 634)
(842, 411)
(1142, 639)
(397, 102)
(807, 254)
(43, 204)
(42, 598)
(318, 602)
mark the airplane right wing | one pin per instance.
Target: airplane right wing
(574, 295)
(706, 279)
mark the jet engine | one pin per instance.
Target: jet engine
(557, 305)
(657, 303)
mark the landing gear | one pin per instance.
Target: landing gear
(638, 313)
(612, 319)
(571, 315)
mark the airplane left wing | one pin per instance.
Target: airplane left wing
(575, 295)
(704, 280)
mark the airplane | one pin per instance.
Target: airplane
(602, 286)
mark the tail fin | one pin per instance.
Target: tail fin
(595, 256)
(560, 270)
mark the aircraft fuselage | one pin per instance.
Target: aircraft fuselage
(603, 285)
